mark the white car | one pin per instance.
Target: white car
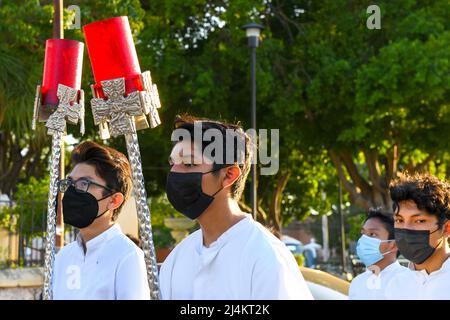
(325, 286)
(295, 246)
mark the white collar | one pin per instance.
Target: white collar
(96, 242)
(224, 237)
(445, 266)
(394, 265)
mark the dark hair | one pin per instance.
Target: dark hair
(428, 193)
(187, 122)
(110, 164)
(385, 218)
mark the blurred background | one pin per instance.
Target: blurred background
(354, 106)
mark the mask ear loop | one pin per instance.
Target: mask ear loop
(385, 253)
(106, 209)
(440, 225)
(102, 214)
(217, 192)
(215, 171)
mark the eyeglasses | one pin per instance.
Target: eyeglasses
(81, 185)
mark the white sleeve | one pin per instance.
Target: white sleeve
(352, 290)
(275, 280)
(131, 278)
(57, 277)
(165, 278)
(55, 274)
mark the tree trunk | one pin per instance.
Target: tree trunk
(374, 191)
(365, 193)
(271, 219)
(275, 220)
(12, 162)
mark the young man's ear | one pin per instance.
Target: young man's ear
(394, 247)
(116, 200)
(232, 173)
(447, 229)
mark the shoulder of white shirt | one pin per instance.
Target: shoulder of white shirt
(272, 243)
(118, 237)
(268, 244)
(395, 267)
(67, 249)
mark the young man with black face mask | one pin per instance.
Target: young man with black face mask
(102, 264)
(377, 250)
(231, 256)
(421, 205)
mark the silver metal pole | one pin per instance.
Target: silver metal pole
(143, 213)
(51, 215)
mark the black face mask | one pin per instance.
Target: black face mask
(184, 191)
(80, 209)
(414, 244)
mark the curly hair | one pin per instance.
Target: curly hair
(429, 193)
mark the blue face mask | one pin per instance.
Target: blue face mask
(368, 250)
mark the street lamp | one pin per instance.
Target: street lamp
(252, 31)
(341, 214)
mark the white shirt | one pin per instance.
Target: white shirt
(113, 268)
(419, 285)
(371, 286)
(245, 262)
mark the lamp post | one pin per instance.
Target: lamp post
(341, 215)
(253, 31)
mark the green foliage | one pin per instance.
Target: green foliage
(160, 209)
(23, 29)
(28, 213)
(354, 223)
(312, 185)
(323, 79)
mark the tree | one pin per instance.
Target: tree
(25, 27)
(376, 100)
(199, 59)
(22, 152)
(350, 102)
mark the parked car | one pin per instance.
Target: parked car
(325, 286)
(294, 245)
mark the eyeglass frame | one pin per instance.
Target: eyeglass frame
(73, 182)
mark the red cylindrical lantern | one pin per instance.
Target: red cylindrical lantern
(112, 53)
(63, 65)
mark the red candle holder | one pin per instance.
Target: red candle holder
(62, 65)
(112, 53)
(118, 78)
